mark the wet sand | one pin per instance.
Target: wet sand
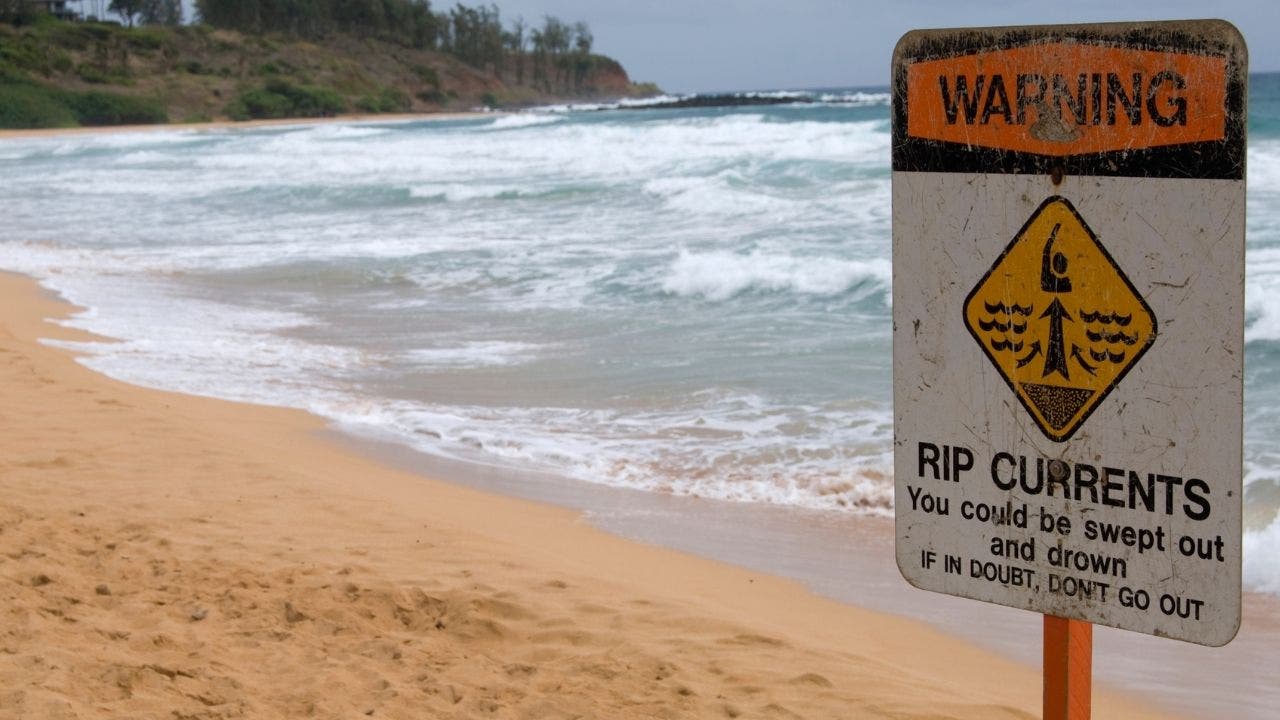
(850, 559)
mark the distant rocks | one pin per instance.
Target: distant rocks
(724, 100)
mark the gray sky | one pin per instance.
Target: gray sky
(690, 45)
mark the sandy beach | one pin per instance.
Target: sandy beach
(173, 556)
(13, 134)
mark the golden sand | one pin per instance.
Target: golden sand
(167, 556)
(6, 134)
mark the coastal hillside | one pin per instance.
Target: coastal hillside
(63, 73)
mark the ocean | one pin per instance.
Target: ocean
(690, 300)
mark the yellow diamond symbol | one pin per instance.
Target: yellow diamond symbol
(1059, 319)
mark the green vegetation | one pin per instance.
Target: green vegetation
(386, 100)
(645, 89)
(18, 12)
(106, 108)
(34, 58)
(26, 104)
(283, 99)
(285, 58)
(33, 106)
(554, 57)
(150, 12)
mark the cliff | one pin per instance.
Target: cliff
(56, 73)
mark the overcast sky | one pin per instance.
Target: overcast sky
(701, 45)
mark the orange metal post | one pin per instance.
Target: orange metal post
(1068, 669)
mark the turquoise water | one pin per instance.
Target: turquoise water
(691, 301)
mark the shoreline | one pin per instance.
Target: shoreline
(27, 133)
(849, 558)
(164, 548)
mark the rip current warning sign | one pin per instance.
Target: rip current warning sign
(1068, 304)
(1059, 319)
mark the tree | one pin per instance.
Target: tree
(242, 15)
(161, 12)
(556, 37)
(424, 26)
(556, 34)
(515, 42)
(539, 56)
(128, 10)
(18, 12)
(552, 57)
(583, 38)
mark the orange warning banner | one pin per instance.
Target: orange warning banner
(1067, 98)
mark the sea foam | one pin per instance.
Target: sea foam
(680, 301)
(1261, 567)
(720, 275)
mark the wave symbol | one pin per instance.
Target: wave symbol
(999, 345)
(1010, 309)
(1106, 318)
(1004, 327)
(1109, 337)
(1107, 355)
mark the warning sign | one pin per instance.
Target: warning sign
(1068, 306)
(1065, 98)
(1032, 315)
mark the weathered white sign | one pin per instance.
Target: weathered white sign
(1068, 307)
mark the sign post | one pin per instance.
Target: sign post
(1068, 306)
(1068, 669)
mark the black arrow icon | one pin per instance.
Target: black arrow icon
(1079, 357)
(1056, 356)
(1035, 350)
